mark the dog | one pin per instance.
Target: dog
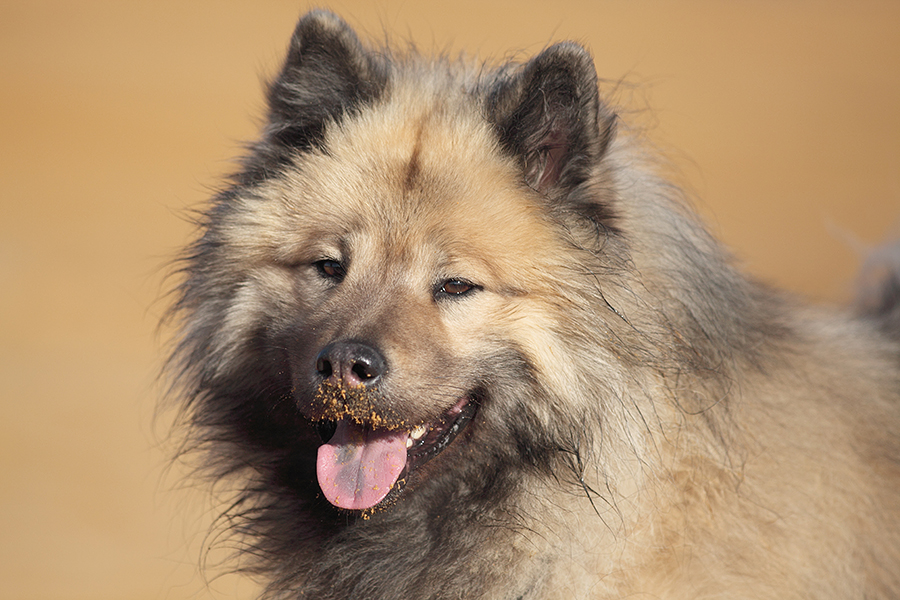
(449, 335)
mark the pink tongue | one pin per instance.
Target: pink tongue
(357, 467)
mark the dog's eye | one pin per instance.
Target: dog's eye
(456, 287)
(331, 269)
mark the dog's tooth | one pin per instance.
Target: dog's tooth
(418, 432)
(409, 443)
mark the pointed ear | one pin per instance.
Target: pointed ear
(326, 74)
(548, 113)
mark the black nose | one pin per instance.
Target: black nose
(351, 363)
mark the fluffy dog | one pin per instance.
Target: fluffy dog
(451, 337)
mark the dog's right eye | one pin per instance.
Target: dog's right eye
(455, 288)
(331, 269)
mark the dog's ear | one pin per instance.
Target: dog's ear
(549, 114)
(326, 74)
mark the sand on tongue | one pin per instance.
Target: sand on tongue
(358, 466)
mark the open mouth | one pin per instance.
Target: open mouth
(359, 465)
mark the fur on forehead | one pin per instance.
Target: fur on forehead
(417, 168)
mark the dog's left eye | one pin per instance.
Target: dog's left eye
(456, 287)
(331, 269)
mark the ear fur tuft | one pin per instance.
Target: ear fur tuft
(327, 73)
(549, 113)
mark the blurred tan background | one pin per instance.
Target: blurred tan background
(116, 117)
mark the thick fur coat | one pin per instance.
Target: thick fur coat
(464, 288)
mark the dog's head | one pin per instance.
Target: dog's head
(399, 262)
